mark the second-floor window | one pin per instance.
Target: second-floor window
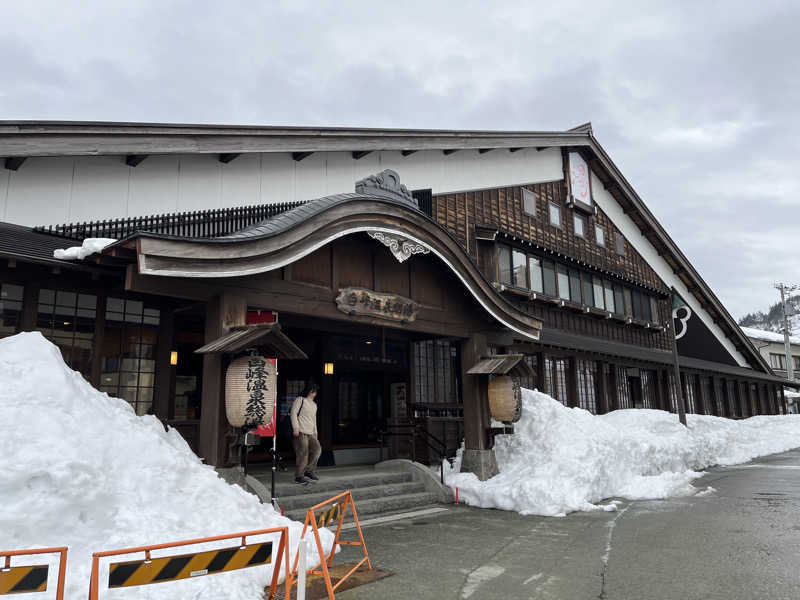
(600, 235)
(777, 361)
(579, 225)
(555, 214)
(528, 202)
(557, 280)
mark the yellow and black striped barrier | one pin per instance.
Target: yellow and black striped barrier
(184, 566)
(147, 570)
(29, 579)
(23, 580)
(334, 512)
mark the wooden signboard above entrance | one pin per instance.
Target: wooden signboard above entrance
(362, 302)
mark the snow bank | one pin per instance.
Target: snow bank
(89, 246)
(80, 469)
(563, 459)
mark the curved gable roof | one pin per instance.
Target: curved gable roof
(381, 206)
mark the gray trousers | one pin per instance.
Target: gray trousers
(306, 453)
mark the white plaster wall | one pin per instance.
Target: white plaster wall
(4, 177)
(634, 236)
(57, 190)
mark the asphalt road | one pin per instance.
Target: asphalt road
(741, 541)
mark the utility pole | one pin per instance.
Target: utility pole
(787, 345)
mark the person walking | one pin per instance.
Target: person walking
(306, 446)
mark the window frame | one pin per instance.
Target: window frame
(618, 237)
(514, 253)
(501, 248)
(601, 239)
(550, 207)
(576, 218)
(528, 194)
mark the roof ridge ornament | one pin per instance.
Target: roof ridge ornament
(387, 185)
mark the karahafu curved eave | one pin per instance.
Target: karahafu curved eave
(336, 217)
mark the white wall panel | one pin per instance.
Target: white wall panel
(104, 187)
(309, 176)
(199, 182)
(154, 186)
(100, 188)
(241, 181)
(277, 178)
(5, 174)
(39, 192)
(635, 238)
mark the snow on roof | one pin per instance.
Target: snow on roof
(768, 336)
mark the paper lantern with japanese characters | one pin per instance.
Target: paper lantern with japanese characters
(505, 399)
(250, 391)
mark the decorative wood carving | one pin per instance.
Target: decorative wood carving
(402, 249)
(392, 307)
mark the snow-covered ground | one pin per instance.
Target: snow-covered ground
(80, 469)
(563, 459)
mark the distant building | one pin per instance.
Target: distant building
(770, 345)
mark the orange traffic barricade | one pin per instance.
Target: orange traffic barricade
(31, 578)
(148, 570)
(335, 509)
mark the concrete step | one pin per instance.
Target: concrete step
(303, 501)
(384, 504)
(334, 482)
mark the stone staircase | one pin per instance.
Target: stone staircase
(376, 491)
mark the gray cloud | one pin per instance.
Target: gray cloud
(696, 102)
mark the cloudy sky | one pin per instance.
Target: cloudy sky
(697, 102)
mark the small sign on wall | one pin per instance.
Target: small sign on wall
(399, 398)
(359, 301)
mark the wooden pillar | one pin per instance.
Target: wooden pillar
(99, 339)
(165, 372)
(601, 388)
(660, 394)
(541, 380)
(328, 408)
(572, 382)
(222, 312)
(613, 388)
(30, 306)
(476, 401)
(705, 400)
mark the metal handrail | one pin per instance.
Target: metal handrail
(417, 429)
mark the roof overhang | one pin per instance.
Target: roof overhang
(267, 337)
(502, 364)
(54, 138)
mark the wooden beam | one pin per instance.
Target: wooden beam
(514, 149)
(134, 160)
(13, 163)
(484, 150)
(449, 151)
(298, 156)
(359, 154)
(407, 152)
(228, 157)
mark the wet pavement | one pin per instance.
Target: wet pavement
(741, 541)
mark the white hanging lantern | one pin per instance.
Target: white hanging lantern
(251, 388)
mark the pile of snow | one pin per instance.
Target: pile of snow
(89, 246)
(563, 459)
(80, 469)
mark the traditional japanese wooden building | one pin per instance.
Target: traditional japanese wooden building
(395, 259)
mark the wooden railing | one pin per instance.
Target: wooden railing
(201, 223)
